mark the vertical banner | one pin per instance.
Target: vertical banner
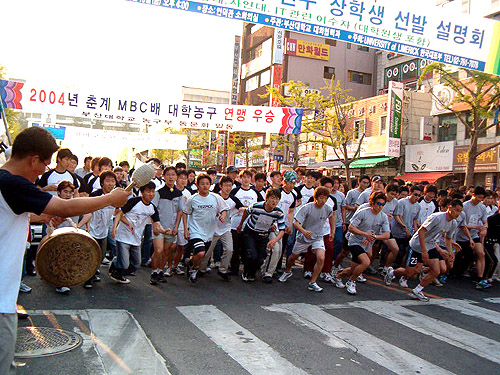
(395, 110)
(279, 40)
(236, 69)
(277, 73)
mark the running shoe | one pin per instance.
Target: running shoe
(371, 270)
(351, 287)
(63, 290)
(154, 278)
(436, 282)
(23, 288)
(178, 271)
(105, 262)
(327, 278)
(285, 276)
(161, 277)
(403, 282)
(168, 272)
(307, 274)
(267, 279)
(251, 277)
(314, 287)
(117, 278)
(335, 270)
(483, 284)
(193, 276)
(361, 279)
(338, 283)
(443, 279)
(223, 275)
(244, 277)
(418, 295)
(88, 283)
(389, 276)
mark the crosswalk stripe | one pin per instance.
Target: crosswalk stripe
(463, 306)
(461, 338)
(383, 353)
(493, 300)
(253, 354)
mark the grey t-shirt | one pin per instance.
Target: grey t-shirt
(340, 198)
(437, 226)
(409, 211)
(474, 215)
(366, 221)
(350, 200)
(364, 196)
(312, 218)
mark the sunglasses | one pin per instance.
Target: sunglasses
(381, 204)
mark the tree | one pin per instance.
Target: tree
(478, 94)
(324, 116)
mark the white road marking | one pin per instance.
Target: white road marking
(253, 354)
(493, 300)
(387, 355)
(461, 338)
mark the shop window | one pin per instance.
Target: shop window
(363, 48)
(359, 77)
(383, 125)
(447, 128)
(359, 129)
(328, 72)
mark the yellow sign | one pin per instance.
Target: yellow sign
(307, 49)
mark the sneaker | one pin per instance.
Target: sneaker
(193, 276)
(338, 283)
(351, 287)
(244, 277)
(436, 282)
(63, 290)
(223, 275)
(96, 279)
(111, 268)
(154, 278)
(308, 274)
(208, 269)
(335, 270)
(267, 279)
(105, 262)
(418, 295)
(119, 279)
(314, 287)
(361, 279)
(483, 284)
(161, 277)
(327, 278)
(371, 270)
(88, 284)
(403, 282)
(383, 273)
(178, 271)
(285, 276)
(216, 264)
(443, 279)
(389, 276)
(23, 288)
(202, 273)
(251, 278)
(168, 272)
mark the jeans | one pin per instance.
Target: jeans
(127, 257)
(111, 245)
(337, 241)
(147, 243)
(255, 244)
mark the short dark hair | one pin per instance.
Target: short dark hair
(95, 162)
(260, 176)
(445, 202)
(415, 187)
(245, 172)
(225, 179)
(375, 196)
(201, 177)
(154, 160)
(34, 141)
(181, 172)
(170, 168)
(104, 161)
(430, 189)
(64, 153)
(404, 188)
(211, 171)
(105, 174)
(321, 191)
(274, 173)
(150, 186)
(364, 177)
(301, 170)
(90, 158)
(189, 171)
(273, 193)
(325, 180)
(335, 178)
(64, 184)
(74, 157)
(442, 193)
(392, 187)
(457, 195)
(456, 202)
(180, 165)
(124, 163)
(479, 190)
(317, 174)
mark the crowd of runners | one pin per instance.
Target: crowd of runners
(253, 225)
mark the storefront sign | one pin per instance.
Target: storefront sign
(426, 31)
(304, 48)
(442, 96)
(394, 113)
(429, 157)
(277, 73)
(99, 106)
(486, 162)
(278, 46)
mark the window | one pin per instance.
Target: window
(265, 78)
(348, 45)
(359, 128)
(447, 128)
(383, 125)
(359, 77)
(328, 72)
(363, 48)
(252, 83)
(331, 42)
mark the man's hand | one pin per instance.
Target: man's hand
(131, 228)
(271, 244)
(472, 244)
(186, 234)
(167, 231)
(119, 197)
(307, 234)
(238, 229)
(175, 231)
(50, 188)
(331, 236)
(113, 232)
(288, 229)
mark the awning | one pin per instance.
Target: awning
(423, 176)
(369, 162)
(325, 164)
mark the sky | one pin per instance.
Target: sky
(116, 46)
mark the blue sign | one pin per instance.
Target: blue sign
(57, 131)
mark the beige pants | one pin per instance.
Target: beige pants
(8, 334)
(273, 256)
(227, 246)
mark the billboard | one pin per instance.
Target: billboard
(394, 118)
(429, 157)
(303, 48)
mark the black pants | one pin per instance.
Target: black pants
(403, 244)
(255, 254)
(284, 251)
(238, 251)
(462, 259)
(491, 261)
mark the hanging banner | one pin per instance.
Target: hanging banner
(428, 32)
(394, 119)
(98, 106)
(236, 70)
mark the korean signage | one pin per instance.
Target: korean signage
(429, 157)
(442, 97)
(395, 110)
(404, 72)
(278, 46)
(277, 71)
(236, 69)
(426, 32)
(304, 48)
(99, 106)
(486, 162)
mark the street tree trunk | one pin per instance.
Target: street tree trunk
(296, 150)
(471, 160)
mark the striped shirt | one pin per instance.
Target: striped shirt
(261, 221)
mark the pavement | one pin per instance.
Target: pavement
(217, 327)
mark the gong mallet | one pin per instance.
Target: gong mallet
(142, 176)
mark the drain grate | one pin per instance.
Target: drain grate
(43, 341)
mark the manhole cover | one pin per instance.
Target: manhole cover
(44, 341)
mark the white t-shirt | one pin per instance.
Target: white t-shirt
(138, 214)
(350, 200)
(54, 177)
(233, 204)
(186, 194)
(202, 213)
(426, 209)
(99, 222)
(287, 201)
(247, 198)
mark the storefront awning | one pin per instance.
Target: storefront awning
(325, 164)
(369, 162)
(423, 176)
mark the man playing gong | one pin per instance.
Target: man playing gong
(31, 153)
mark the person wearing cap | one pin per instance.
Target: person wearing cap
(232, 173)
(377, 185)
(289, 200)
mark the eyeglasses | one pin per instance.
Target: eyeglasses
(381, 204)
(46, 164)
